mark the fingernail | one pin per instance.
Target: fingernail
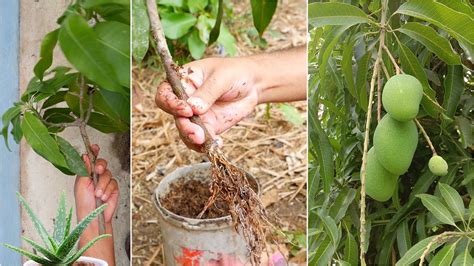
(197, 103)
(278, 259)
(98, 193)
(99, 169)
(104, 197)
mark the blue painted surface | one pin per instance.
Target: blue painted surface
(10, 226)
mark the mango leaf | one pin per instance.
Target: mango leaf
(60, 221)
(16, 130)
(448, 19)
(427, 36)
(73, 237)
(262, 13)
(195, 45)
(452, 199)
(444, 256)
(115, 36)
(324, 153)
(323, 253)
(322, 14)
(346, 66)
(436, 207)
(7, 117)
(403, 237)
(54, 99)
(412, 66)
(114, 105)
(140, 30)
(197, 5)
(331, 228)
(453, 89)
(93, 3)
(291, 114)
(84, 50)
(339, 207)
(361, 86)
(465, 127)
(114, 12)
(105, 124)
(73, 158)
(46, 53)
(176, 25)
(351, 250)
(37, 136)
(415, 252)
(217, 26)
(464, 258)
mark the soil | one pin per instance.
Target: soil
(83, 264)
(188, 196)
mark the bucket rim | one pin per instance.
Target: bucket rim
(192, 223)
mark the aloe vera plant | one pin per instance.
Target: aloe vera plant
(58, 249)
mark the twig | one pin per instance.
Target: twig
(441, 237)
(171, 69)
(394, 62)
(367, 131)
(87, 144)
(425, 135)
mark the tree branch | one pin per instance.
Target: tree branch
(394, 62)
(427, 138)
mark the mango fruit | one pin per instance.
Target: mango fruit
(379, 183)
(401, 97)
(395, 144)
(438, 166)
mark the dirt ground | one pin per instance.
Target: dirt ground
(272, 149)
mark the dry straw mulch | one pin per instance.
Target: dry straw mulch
(271, 149)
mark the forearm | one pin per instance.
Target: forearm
(102, 249)
(280, 76)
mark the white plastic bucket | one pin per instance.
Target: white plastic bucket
(188, 241)
(97, 262)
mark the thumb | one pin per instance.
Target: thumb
(206, 95)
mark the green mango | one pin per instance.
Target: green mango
(438, 166)
(401, 97)
(379, 183)
(395, 144)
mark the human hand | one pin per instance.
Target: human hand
(85, 193)
(222, 92)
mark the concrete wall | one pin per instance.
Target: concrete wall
(41, 183)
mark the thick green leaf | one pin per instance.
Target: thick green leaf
(454, 22)
(412, 66)
(176, 25)
(453, 89)
(29, 255)
(54, 99)
(444, 256)
(105, 124)
(16, 130)
(197, 5)
(83, 49)
(114, 12)
(195, 45)
(73, 158)
(427, 36)
(361, 81)
(115, 36)
(227, 41)
(436, 207)
(452, 199)
(47, 253)
(322, 14)
(40, 229)
(351, 250)
(140, 30)
(291, 114)
(46, 53)
(403, 238)
(81, 251)
(217, 26)
(464, 258)
(262, 13)
(7, 117)
(415, 252)
(73, 237)
(67, 229)
(114, 105)
(60, 221)
(38, 138)
(331, 228)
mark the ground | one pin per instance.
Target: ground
(272, 149)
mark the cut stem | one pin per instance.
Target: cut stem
(427, 138)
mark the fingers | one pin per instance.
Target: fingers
(103, 182)
(192, 132)
(206, 95)
(166, 100)
(112, 187)
(100, 166)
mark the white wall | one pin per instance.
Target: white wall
(41, 183)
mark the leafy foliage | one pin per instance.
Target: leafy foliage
(94, 37)
(193, 25)
(429, 40)
(58, 249)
